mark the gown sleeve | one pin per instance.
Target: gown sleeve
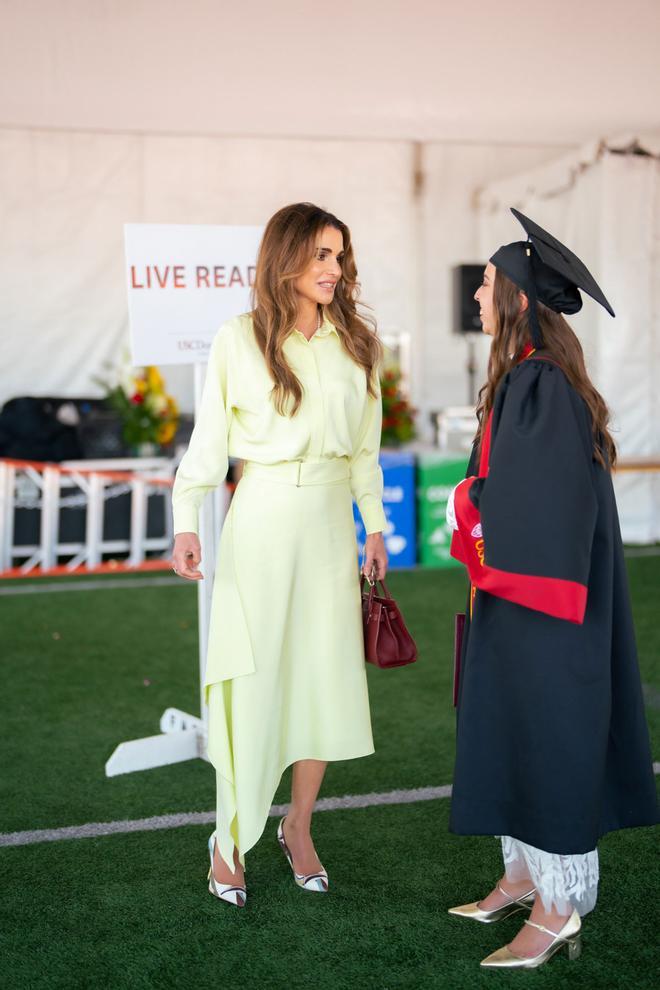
(204, 465)
(525, 531)
(366, 476)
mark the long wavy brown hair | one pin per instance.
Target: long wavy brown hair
(512, 335)
(286, 250)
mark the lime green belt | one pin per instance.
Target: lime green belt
(301, 473)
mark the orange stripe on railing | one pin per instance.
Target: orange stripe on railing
(110, 567)
(110, 475)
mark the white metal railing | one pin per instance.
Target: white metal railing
(51, 487)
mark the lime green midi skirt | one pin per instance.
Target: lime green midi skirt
(285, 671)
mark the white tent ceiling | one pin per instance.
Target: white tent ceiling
(560, 72)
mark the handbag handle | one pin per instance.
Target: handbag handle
(366, 577)
(373, 585)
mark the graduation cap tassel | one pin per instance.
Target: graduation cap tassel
(535, 326)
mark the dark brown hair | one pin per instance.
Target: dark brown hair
(286, 250)
(512, 334)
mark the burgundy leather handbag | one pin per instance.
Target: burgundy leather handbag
(387, 642)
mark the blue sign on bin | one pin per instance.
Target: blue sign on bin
(399, 505)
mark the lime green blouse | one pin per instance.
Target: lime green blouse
(237, 418)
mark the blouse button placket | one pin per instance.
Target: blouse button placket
(316, 404)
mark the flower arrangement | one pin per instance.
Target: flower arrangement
(148, 413)
(398, 414)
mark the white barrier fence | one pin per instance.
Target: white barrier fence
(89, 485)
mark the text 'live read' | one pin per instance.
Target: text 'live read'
(199, 277)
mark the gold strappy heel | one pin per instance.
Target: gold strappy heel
(569, 936)
(523, 903)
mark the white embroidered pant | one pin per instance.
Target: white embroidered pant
(563, 882)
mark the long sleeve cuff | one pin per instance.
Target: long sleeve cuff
(373, 514)
(185, 518)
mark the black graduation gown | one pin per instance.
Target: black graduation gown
(552, 744)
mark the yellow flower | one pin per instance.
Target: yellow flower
(140, 386)
(166, 432)
(155, 379)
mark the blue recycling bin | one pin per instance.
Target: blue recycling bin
(399, 504)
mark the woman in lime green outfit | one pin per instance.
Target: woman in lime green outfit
(292, 390)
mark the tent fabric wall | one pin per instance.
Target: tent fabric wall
(62, 312)
(605, 204)
(450, 236)
(64, 197)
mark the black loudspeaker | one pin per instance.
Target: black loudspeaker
(467, 279)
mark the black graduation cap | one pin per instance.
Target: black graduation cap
(545, 269)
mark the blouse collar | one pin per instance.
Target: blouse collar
(324, 330)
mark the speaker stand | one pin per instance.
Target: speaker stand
(471, 368)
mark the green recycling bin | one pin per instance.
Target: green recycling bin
(437, 474)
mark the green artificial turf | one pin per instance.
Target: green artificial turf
(132, 913)
(86, 670)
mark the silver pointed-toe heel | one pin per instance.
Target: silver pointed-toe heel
(316, 882)
(514, 904)
(569, 936)
(227, 892)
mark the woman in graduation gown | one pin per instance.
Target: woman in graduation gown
(552, 744)
(292, 390)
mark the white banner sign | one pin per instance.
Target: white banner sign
(184, 281)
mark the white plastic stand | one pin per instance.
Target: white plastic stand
(180, 739)
(183, 736)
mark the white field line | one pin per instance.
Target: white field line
(96, 829)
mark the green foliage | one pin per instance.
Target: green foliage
(398, 414)
(147, 412)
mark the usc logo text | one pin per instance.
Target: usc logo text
(479, 547)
